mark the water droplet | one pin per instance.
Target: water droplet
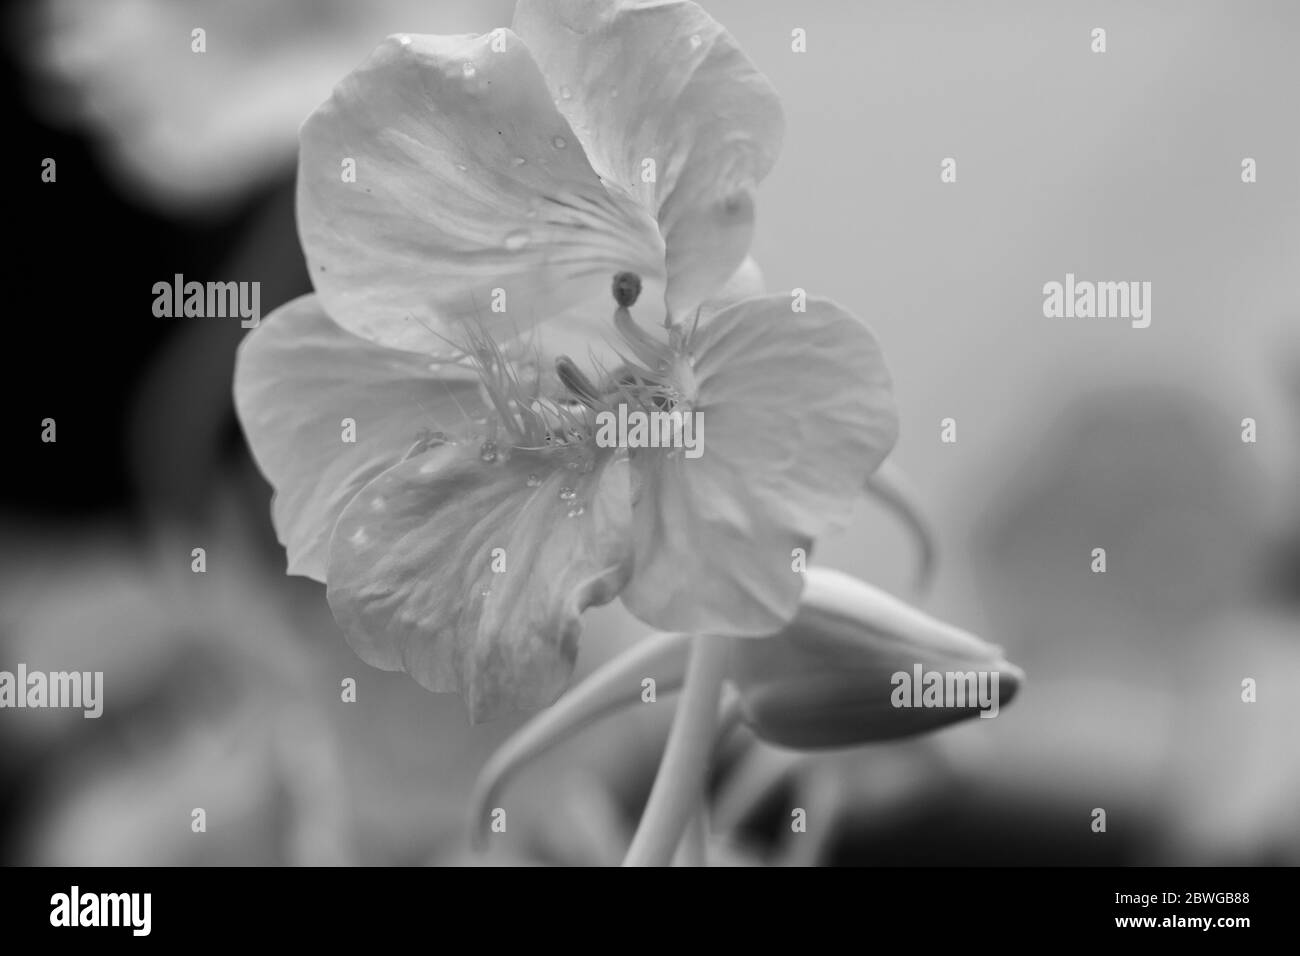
(485, 593)
(468, 68)
(566, 93)
(404, 40)
(572, 466)
(462, 167)
(488, 451)
(567, 493)
(519, 160)
(696, 40)
(575, 511)
(517, 240)
(559, 142)
(533, 481)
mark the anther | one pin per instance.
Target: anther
(572, 378)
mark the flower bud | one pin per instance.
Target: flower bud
(858, 665)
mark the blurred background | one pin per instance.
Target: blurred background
(223, 688)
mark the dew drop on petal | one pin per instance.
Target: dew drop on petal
(488, 451)
(567, 493)
(462, 167)
(533, 481)
(404, 40)
(517, 240)
(559, 142)
(519, 160)
(566, 93)
(576, 510)
(468, 68)
(572, 466)
(696, 40)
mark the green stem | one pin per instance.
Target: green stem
(679, 786)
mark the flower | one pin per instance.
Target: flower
(474, 515)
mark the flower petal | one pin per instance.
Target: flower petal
(746, 282)
(799, 407)
(665, 82)
(467, 180)
(796, 411)
(706, 561)
(297, 378)
(417, 583)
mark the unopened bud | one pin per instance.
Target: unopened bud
(858, 665)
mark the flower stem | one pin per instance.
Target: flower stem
(679, 786)
(615, 684)
(692, 849)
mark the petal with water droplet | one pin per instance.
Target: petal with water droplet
(298, 375)
(448, 161)
(693, 104)
(408, 595)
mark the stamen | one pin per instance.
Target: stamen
(527, 420)
(572, 378)
(655, 355)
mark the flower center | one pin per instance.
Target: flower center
(655, 377)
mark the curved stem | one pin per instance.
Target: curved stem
(679, 786)
(614, 685)
(691, 851)
(892, 487)
(756, 772)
